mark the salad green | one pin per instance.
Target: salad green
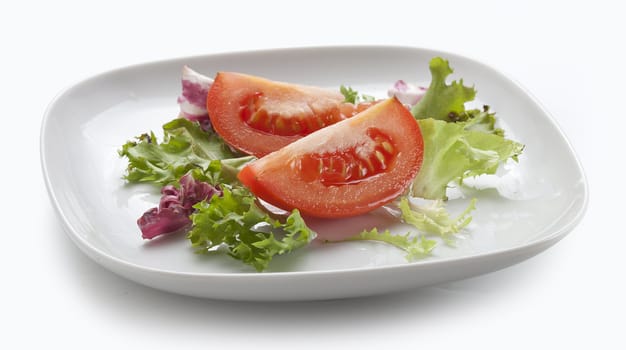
(432, 217)
(235, 223)
(457, 143)
(443, 101)
(352, 96)
(451, 152)
(416, 246)
(185, 146)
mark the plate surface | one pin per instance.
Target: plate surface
(529, 207)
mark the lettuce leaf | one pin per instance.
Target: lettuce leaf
(236, 223)
(443, 101)
(457, 143)
(452, 153)
(480, 120)
(434, 218)
(446, 102)
(416, 246)
(429, 219)
(352, 96)
(185, 146)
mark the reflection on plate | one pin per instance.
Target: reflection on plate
(533, 205)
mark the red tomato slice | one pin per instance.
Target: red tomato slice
(259, 116)
(346, 169)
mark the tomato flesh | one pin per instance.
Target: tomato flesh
(259, 116)
(347, 166)
(345, 169)
(257, 112)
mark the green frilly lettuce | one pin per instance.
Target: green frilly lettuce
(185, 147)
(236, 223)
(457, 142)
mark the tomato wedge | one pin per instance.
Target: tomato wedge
(258, 116)
(345, 169)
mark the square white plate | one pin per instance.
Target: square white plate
(533, 205)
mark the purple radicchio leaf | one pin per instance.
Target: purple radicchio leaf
(408, 94)
(192, 100)
(175, 207)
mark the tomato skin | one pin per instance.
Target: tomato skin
(297, 176)
(258, 116)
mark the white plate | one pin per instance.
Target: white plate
(536, 203)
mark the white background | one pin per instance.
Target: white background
(569, 55)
